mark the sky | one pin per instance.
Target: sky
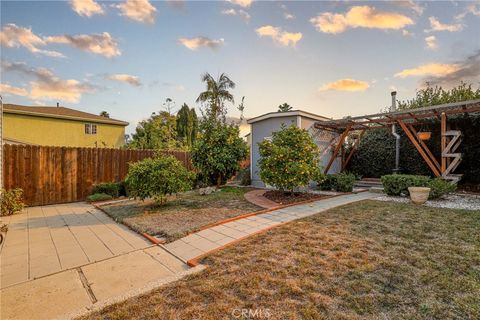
(334, 59)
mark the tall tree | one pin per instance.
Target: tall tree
(216, 94)
(187, 125)
(157, 132)
(284, 107)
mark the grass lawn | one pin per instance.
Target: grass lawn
(183, 214)
(366, 260)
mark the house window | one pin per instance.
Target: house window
(90, 128)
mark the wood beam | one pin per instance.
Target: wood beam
(443, 141)
(337, 148)
(413, 139)
(429, 153)
(354, 148)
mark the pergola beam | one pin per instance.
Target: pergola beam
(354, 148)
(337, 148)
(427, 150)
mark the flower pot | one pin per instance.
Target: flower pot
(424, 135)
(419, 195)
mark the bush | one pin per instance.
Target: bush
(342, 182)
(290, 160)
(110, 188)
(397, 184)
(122, 189)
(12, 201)
(244, 176)
(440, 187)
(217, 152)
(99, 197)
(157, 177)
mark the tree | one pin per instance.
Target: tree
(157, 177)
(284, 107)
(157, 132)
(290, 160)
(187, 125)
(104, 114)
(431, 96)
(216, 94)
(218, 151)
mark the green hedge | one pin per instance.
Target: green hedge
(99, 197)
(397, 185)
(110, 188)
(342, 182)
(375, 155)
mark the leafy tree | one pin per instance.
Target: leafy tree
(284, 107)
(216, 94)
(218, 151)
(290, 160)
(104, 114)
(157, 132)
(431, 96)
(157, 177)
(187, 125)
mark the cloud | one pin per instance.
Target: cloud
(288, 16)
(8, 89)
(282, 38)
(176, 4)
(360, 17)
(472, 8)
(431, 42)
(431, 69)
(47, 85)
(438, 26)
(138, 10)
(407, 33)
(198, 42)
(133, 80)
(86, 8)
(466, 70)
(102, 44)
(177, 87)
(410, 4)
(242, 3)
(349, 85)
(13, 36)
(240, 12)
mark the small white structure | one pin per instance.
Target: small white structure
(262, 127)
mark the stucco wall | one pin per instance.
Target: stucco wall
(264, 128)
(61, 132)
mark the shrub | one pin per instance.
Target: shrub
(342, 182)
(440, 187)
(110, 188)
(157, 177)
(12, 201)
(217, 152)
(122, 189)
(244, 175)
(290, 160)
(397, 184)
(99, 197)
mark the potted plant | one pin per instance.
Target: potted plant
(419, 195)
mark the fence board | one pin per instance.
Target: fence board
(50, 175)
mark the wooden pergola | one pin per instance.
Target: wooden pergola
(407, 119)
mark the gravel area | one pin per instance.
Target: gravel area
(452, 201)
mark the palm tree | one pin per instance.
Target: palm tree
(284, 107)
(217, 93)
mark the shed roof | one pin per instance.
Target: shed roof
(287, 114)
(61, 113)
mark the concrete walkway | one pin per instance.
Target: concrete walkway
(256, 197)
(200, 243)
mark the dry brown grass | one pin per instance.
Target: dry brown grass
(182, 214)
(367, 260)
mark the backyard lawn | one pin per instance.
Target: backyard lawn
(369, 259)
(183, 214)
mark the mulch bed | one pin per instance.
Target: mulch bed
(288, 198)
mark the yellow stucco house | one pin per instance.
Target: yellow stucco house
(60, 126)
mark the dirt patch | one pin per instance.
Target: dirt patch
(288, 198)
(366, 260)
(182, 214)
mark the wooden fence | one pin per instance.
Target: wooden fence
(50, 175)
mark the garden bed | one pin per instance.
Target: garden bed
(450, 201)
(365, 260)
(282, 197)
(182, 214)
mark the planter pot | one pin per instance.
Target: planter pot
(419, 195)
(424, 135)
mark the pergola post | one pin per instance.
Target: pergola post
(443, 141)
(354, 148)
(337, 148)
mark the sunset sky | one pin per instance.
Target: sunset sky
(330, 58)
